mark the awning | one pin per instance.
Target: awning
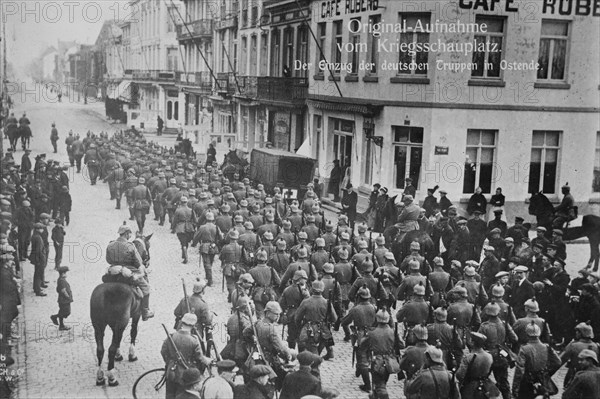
(122, 92)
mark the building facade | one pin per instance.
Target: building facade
(518, 112)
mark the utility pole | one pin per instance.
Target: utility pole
(3, 95)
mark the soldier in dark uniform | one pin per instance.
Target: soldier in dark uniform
(231, 261)
(156, 190)
(531, 308)
(464, 317)
(500, 336)
(413, 358)
(315, 315)
(167, 198)
(320, 256)
(439, 280)
(236, 348)
(311, 230)
(78, 152)
(536, 363)
(290, 300)
(380, 251)
(265, 279)
(585, 383)
(280, 259)
(275, 352)
(414, 312)
(384, 349)
(121, 252)
(564, 212)
(188, 346)
(183, 226)
(444, 336)
(360, 257)
(434, 380)
(475, 369)
(115, 183)
(197, 306)
(583, 340)
(411, 280)
(362, 317)
(141, 198)
(92, 160)
(379, 297)
(302, 263)
(207, 235)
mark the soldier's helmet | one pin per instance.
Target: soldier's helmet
(329, 226)
(382, 316)
(238, 219)
(234, 235)
(299, 275)
(242, 302)
(389, 256)
(343, 253)
(320, 242)
(414, 264)
(183, 184)
(199, 286)
(189, 319)
(367, 266)
(362, 228)
(246, 278)
(419, 289)
(380, 240)
(302, 235)
(461, 291)
(281, 244)
(302, 253)
(310, 218)
(532, 305)
(437, 261)
(268, 235)
(318, 286)
(273, 307)
(420, 332)
(498, 291)
(415, 246)
(345, 236)
(440, 314)
(270, 217)
(585, 330)
(363, 244)
(492, 309)
(469, 271)
(363, 292)
(210, 217)
(124, 229)
(261, 256)
(532, 330)
(478, 338)
(328, 268)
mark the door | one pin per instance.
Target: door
(172, 119)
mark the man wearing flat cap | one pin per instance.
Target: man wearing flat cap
(191, 383)
(498, 223)
(39, 259)
(220, 386)
(257, 387)
(521, 290)
(65, 297)
(586, 383)
(302, 382)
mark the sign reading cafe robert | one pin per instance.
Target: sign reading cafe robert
(335, 8)
(549, 7)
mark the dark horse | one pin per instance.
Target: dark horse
(541, 207)
(234, 164)
(12, 131)
(113, 304)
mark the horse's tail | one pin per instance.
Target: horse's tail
(112, 303)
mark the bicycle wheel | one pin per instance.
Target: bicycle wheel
(151, 384)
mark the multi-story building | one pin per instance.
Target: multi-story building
(152, 62)
(459, 94)
(195, 81)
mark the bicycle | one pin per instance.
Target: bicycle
(151, 384)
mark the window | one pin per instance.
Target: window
(244, 56)
(275, 53)
(479, 160)
(596, 182)
(253, 56)
(487, 63)
(553, 50)
(172, 56)
(408, 153)
(302, 50)
(223, 67)
(254, 19)
(544, 161)
(288, 48)
(343, 130)
(354, 55)
(244, 21)
(336, 52)
(318, 123)
(412, 40)
(264, 55)
(373, 49)
(322, 36)
(368, 156)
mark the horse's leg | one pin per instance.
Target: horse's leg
(594, 252)
(134, 331)
(112, 351)
(99, 335)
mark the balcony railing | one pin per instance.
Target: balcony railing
(153, 75)
(202, 80)
(201, 28)
(276, 89)
(226, 83)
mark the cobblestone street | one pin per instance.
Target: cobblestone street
(63, 364)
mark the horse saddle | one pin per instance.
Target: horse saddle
(119, 278)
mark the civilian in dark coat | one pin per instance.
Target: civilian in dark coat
(477, 202)
(349, 205)
(38, 258)
(445, 203)
(302, 382)
(25, 162)
(334, 180)
(521, 290)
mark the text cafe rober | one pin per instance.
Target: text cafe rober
(334, 8)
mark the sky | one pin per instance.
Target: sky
(32, 26)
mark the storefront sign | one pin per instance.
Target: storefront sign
(439, 150)
(281, 131)
(335, 8)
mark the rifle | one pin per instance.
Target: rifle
(337, 235)
(331, 259)
(258, 347)
(322, 221)
(187, 301)
(211, 342)
(179, 356)
(454, 341)
(370, 240)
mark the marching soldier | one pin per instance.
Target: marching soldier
(536, 363)
(301, 263)
(236, 348)
(311, 230)
(280, 259)
(115, 179)
(286, 234)
(384, 349)
(583, 340)
(414, 312)
(413, 358)
(464, 317)
(585, 383)
(475, 368)
(121, 252)
(506, 314)
(415, 255)
(224, 221)
(167, 198)
(274, 350)
(265, 279)
(345, 275)
(329, 236)
(183, 226)
(444, 336)
(413, 279)
(379, 251)
(440, 282)
(391, 278)
(195, 304)
(129, 183)
(243, 288)
(433, 381)
(269, 225)
(290, 301)
(315, 316)
(475, 292)
(499, 336)
(207, 235)
(367, 280)
(344, 244)
(181, 343)
(359, 258)
(362, 317)
(141, 198)
(231, 261)
(302, 238)
(531, 308)
(267, 243)
(157, 189)
(320, 256)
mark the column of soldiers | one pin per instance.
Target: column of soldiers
(482, 298)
